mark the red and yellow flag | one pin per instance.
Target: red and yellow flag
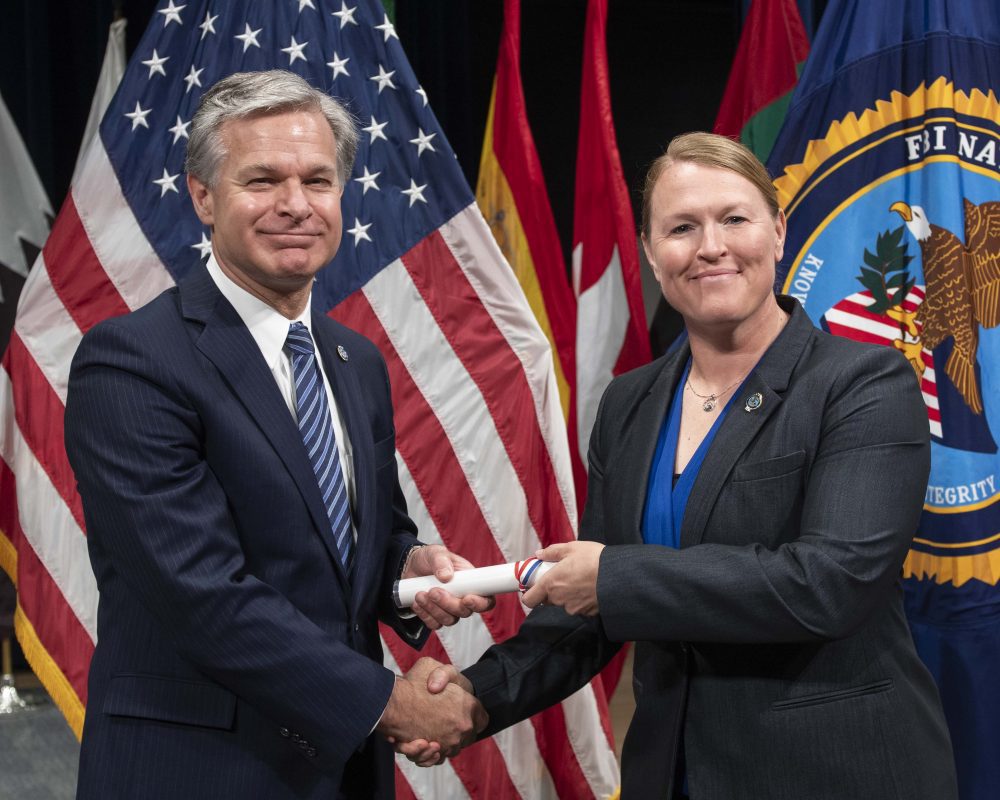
(512, 196)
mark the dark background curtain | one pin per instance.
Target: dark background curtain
(669, 60)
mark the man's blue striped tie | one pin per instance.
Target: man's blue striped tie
(316, 428)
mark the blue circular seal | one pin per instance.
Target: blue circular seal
(894, 236)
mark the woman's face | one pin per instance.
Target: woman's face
(713, 245)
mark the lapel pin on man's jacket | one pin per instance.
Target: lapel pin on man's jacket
(342, 352)
(754, 401)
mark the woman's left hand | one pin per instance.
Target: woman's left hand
(572, 582)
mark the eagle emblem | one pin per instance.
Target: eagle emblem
(962, 290)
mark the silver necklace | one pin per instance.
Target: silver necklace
(710, 400)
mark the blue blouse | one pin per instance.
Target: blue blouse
(664, 512)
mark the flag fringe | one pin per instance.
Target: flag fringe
(48, 673)
(958, 570)
(41, 663)
(8, 557)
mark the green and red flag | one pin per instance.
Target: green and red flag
(769, 57)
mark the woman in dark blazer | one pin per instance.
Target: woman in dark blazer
(752, 496)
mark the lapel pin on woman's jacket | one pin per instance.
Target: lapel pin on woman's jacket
(342, 352)
(754, 401)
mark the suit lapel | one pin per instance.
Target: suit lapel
(641, 447)
(769, 378)
(226, 342)
(347, 389)
(737, 431)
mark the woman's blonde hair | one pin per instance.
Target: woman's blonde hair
(710, 150)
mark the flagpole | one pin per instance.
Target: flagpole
(10, 700)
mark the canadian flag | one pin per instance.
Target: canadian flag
(611, 332)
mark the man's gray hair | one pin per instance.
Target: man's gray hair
(247, 94)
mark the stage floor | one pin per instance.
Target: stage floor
(38, 751)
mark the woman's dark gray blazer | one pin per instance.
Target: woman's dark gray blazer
(774, 640)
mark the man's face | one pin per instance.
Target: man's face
(275, 206)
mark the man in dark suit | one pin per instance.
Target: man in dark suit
(235, 452)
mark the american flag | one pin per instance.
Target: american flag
(482, 447)
(851, 318)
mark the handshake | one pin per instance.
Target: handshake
(432, 714)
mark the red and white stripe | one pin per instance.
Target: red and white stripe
(481, 443)
(851, 318)
(489, 428)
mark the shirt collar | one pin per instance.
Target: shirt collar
(268, 328)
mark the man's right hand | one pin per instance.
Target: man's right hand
(431, 715)
(441, 678)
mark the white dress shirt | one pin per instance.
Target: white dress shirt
(270, 330)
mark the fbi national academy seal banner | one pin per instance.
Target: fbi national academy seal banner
(888, 167)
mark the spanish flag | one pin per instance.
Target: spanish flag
(512, 196)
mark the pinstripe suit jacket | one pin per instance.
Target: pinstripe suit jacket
(234, 657)
(774, 639)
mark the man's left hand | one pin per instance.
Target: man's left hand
(572, 582)
(436, 608)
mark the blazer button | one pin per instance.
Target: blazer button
(356, 627)
(284, 732)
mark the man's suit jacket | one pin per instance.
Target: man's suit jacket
(774, 640)
(234, 656)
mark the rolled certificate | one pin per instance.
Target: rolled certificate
(485, 581)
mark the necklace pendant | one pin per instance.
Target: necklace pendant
(709, 404)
